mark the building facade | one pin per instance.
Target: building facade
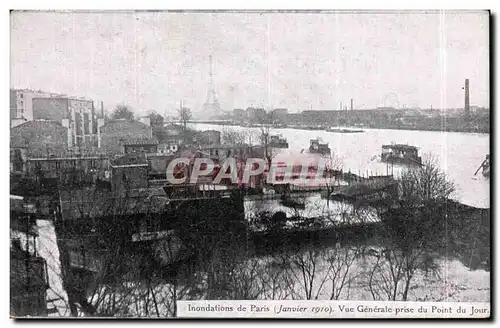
(170, 138)
(40, 138)
(82, 124)
(28, 282)
(69, 169)
(279, 114)
(256, 115)
(169, 147)
(113, 134)
(209, 137)
(21, 104)
(158, 164)
(128, 173)
(239, 114)
(76, 114)
(147, 146)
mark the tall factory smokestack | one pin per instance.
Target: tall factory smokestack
(467, 105)
(102, 109)
(351, 104)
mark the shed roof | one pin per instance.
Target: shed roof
(118, 124)
(16, 133)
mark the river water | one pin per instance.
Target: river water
(458, 154)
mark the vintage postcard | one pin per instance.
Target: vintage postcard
(257, 164)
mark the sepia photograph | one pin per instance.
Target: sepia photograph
(250, 163)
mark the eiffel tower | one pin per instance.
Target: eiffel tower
(211, 107)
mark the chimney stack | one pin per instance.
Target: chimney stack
(467, 105)
(102, 109)
(351, 104)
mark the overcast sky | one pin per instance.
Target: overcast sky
(152, 60)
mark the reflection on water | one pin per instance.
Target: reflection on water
(314, 206)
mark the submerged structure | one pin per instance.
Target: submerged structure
(486, 166)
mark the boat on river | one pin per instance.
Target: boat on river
(318, 147)
(401, 154)
(342, 130)
(277, 141)
(307, 127)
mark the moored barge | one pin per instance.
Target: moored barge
(401, 154)
(318, 147)
(277, 141)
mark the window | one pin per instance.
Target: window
(18, 160)
(86, 123)
(78, 124)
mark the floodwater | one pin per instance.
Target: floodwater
(458, 154)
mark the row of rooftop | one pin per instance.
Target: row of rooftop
(48, 124)
(103, 151)
(50, 138)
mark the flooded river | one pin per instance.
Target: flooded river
(458, 154)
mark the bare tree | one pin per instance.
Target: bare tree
(234, 137)
(321, 272)
(277, 283)
(157, 120)
(185, 115)
(305, 269)
(168, 250)
(332, 174)
(340, 262)
(117, 286)
(412, 231)
(424, 184)
(265, 127)
(245, 279)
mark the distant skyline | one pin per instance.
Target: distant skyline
(153, 60)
